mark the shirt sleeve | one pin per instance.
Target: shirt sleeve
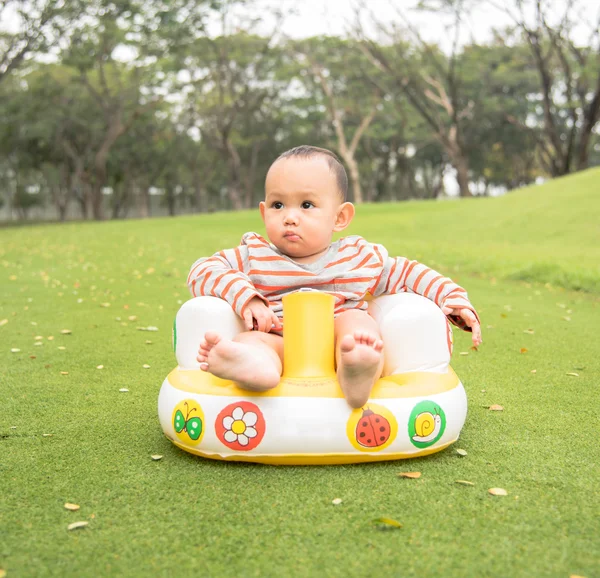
(222, 275)
(403, 275)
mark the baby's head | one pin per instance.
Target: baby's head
(305, 202)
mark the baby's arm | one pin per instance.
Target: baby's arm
(222, 276)
(400, 274)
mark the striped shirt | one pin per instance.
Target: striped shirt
(350, 270)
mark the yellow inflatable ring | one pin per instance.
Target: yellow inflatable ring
(305, 420)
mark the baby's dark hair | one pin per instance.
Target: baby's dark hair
(308, 151)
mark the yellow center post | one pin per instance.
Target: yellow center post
(308, 339)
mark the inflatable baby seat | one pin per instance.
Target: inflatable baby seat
(416, 408)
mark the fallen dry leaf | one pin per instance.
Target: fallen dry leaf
(104, 304)
(573, 374)
(15, 350)
(567, 318)
(146, 366)
(388, 522)
(47, 435)
(99, 366)
(524, 350)
(3, 322)
(530, 331)
(124, 389)
(461, 452)
(64, 373)
(412, 475)
(132, 318)
(496, 407)
(76, 525)
(156, 457)
(533, 371)
(148, 342)
(570, 576)
(336, 501)
(50, 338)
(464, 483)
(61, 347)
(497, 492)
(2, 573)
(66, 331)
(149, 328)
(72, 507)
(464, 353)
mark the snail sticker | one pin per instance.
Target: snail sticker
(426, 424)
(240, 426)
(188, 421)
(372, 428)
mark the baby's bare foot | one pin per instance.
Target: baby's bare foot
(250, 366)
(359, 366)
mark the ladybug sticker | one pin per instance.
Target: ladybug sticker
(372, 428)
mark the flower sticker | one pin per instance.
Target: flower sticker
(240, 426)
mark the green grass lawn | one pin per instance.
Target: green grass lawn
(519, 256)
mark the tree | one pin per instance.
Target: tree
(337, 69)
(430, 81)
(40, 24)
(569, 79)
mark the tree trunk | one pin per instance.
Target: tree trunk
(357, 196)
(461, 164)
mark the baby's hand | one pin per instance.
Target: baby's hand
(470, 319)
(259, 316)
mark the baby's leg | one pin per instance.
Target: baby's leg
(359, 355)
(253, 359)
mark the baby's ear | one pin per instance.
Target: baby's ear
(261, 207)
(345, 214)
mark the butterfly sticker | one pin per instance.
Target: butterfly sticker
(188, 426)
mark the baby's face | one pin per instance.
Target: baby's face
(301, 207)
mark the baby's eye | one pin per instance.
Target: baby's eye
(307, 205)
(277, 205)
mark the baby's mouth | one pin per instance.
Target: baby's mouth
(291, 236)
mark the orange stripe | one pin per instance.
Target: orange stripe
(431, 284)
(391, 275)
(258, 246)
(208, 262)
(344, 259)
(361, 263)
(271, 258)
(204, 283)
(400, 277)
(378, 253)
(281, 273)
(238, 256)
(237, 296)
(437, 295)
(351, 245)
(226, 290)
(213, 292)
(418, 279)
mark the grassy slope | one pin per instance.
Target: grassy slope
(184, 513)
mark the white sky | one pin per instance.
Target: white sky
(336, 17)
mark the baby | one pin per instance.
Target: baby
(305, 204)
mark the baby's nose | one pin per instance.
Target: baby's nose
(290, 218)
